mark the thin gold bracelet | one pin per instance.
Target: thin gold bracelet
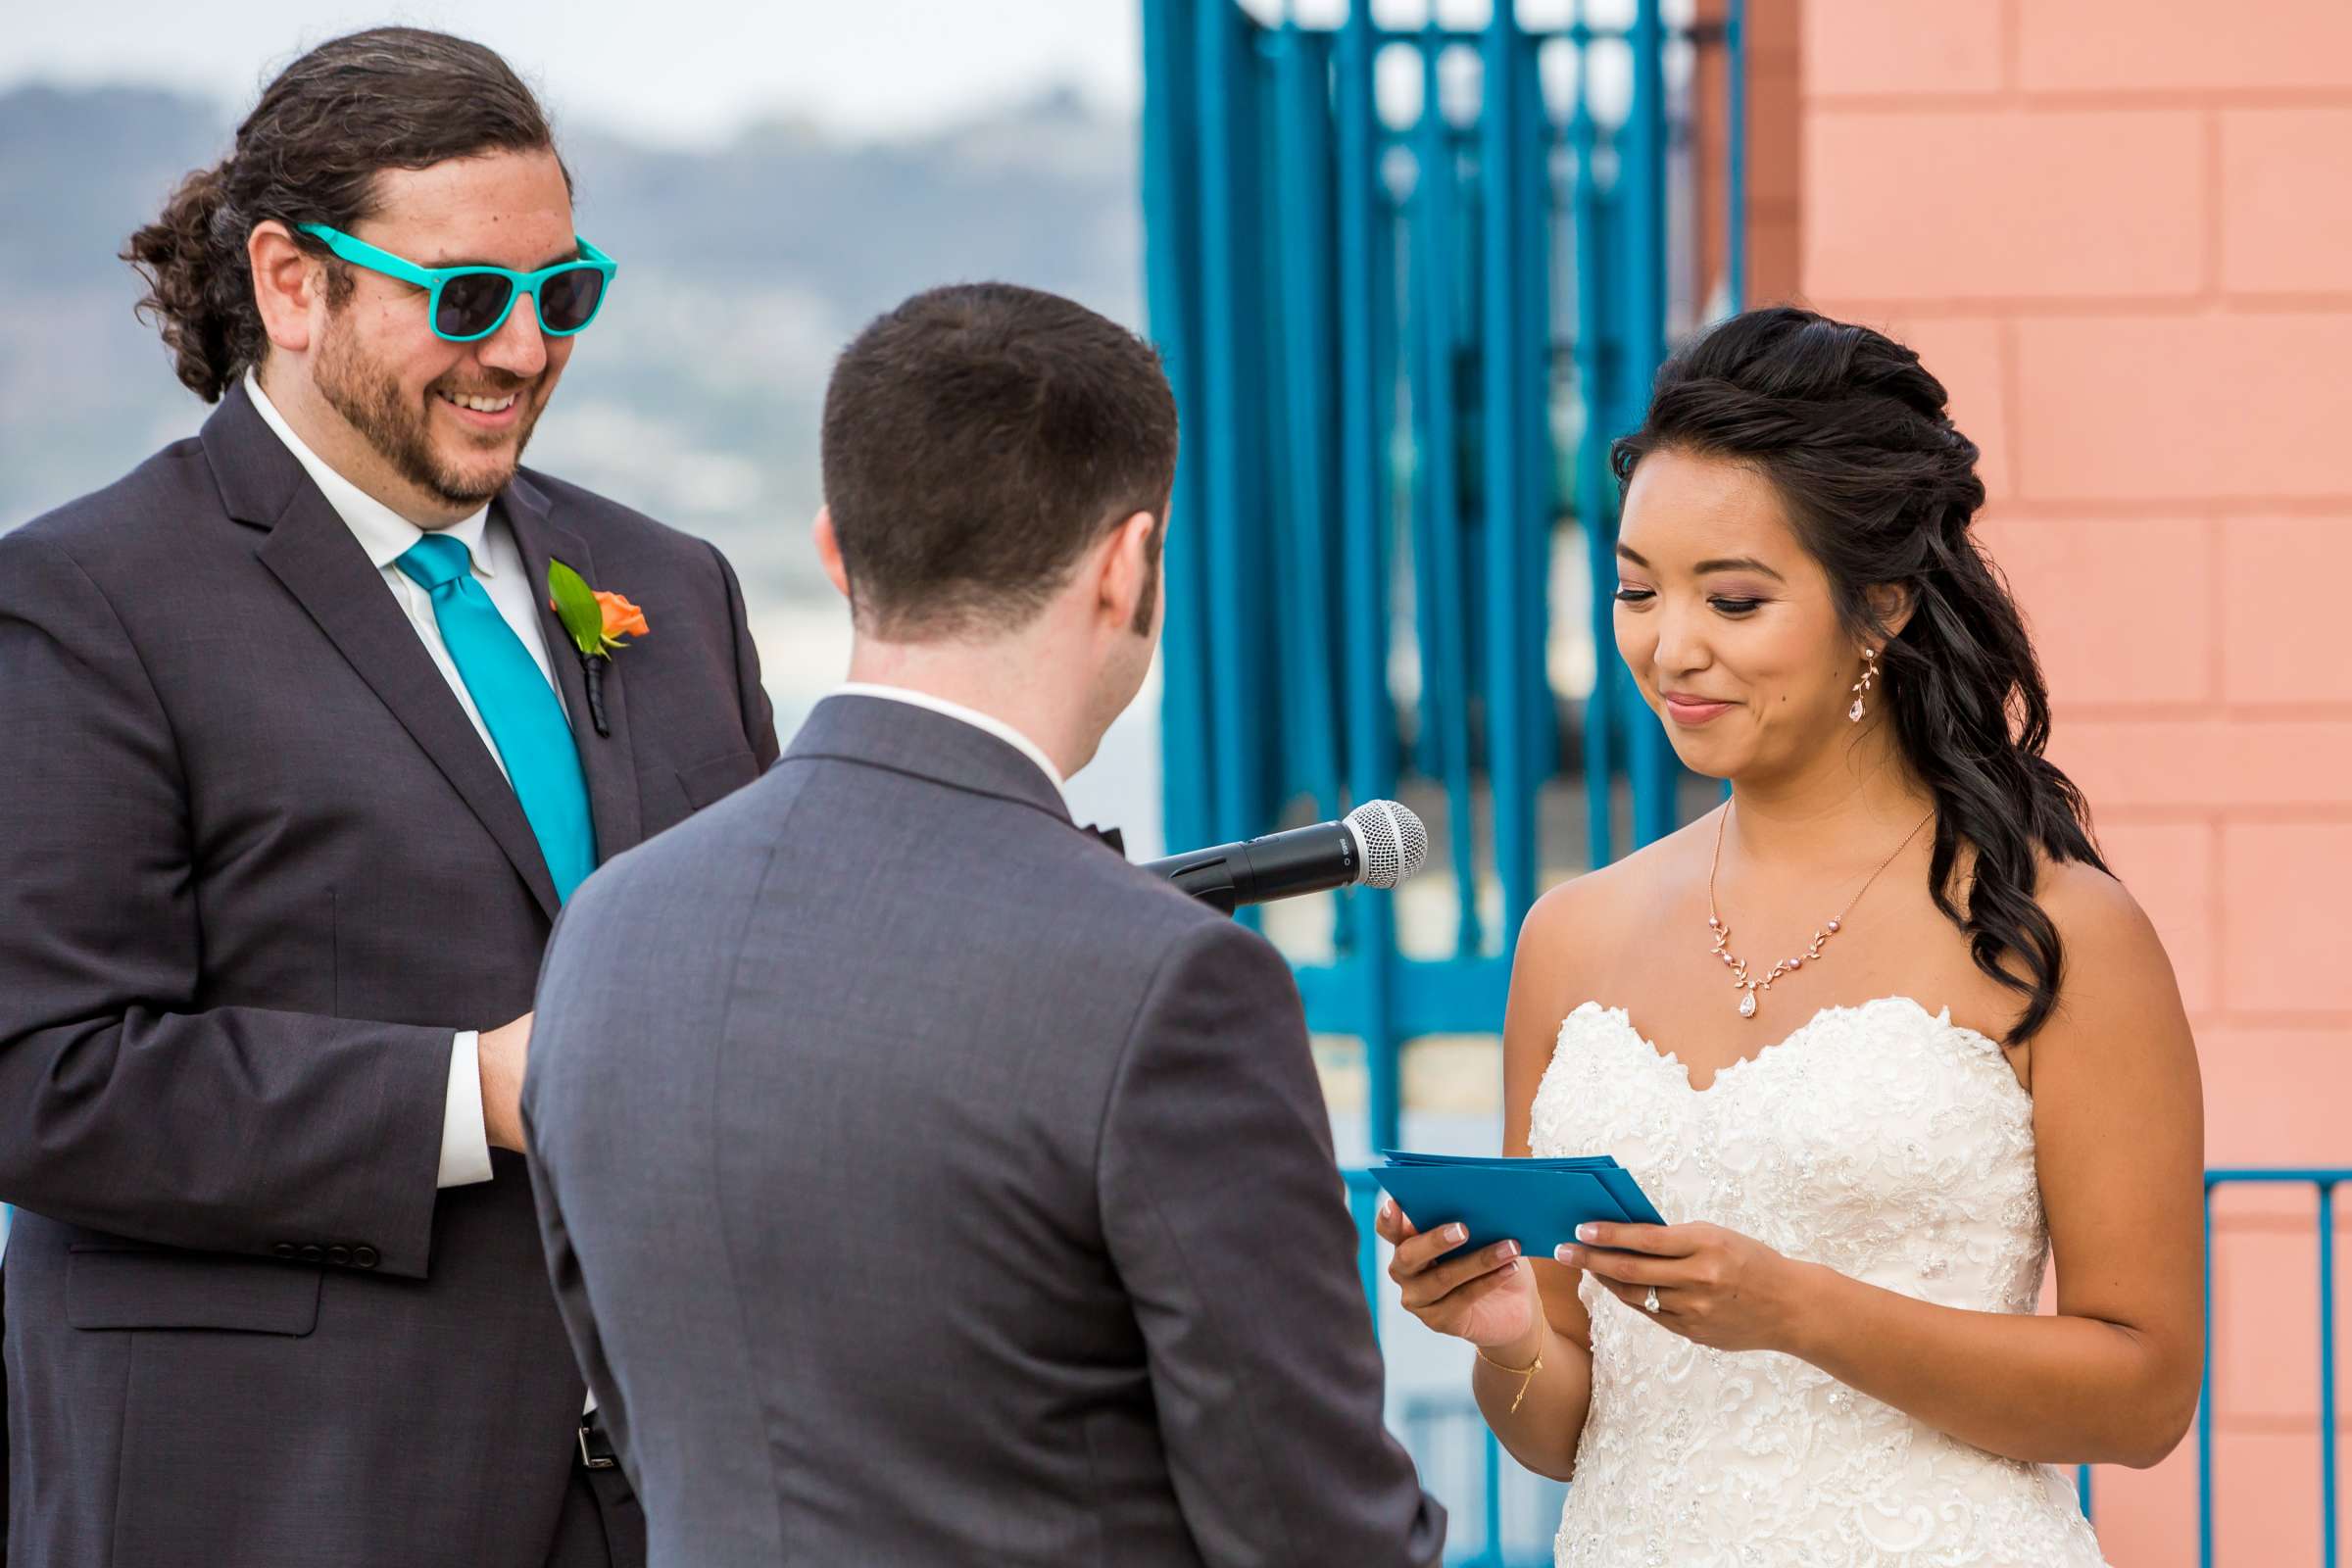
(1526, 1375)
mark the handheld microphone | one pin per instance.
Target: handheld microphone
(1379, 845)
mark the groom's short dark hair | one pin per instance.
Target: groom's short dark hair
(977, 441)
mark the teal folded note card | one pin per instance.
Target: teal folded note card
(1537, 1202)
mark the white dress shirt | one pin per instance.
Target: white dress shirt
(968, 716)
(497, 567)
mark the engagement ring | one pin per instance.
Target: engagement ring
(1650, 1302)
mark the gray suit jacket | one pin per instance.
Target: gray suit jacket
(924, 1185)
(255, 867)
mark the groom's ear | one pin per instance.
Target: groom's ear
(1126, 570)
(828, 553)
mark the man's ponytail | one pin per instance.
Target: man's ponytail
(199, 286)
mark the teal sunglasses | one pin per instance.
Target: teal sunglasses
(467, 304)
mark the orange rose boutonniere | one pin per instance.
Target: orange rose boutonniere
(621, 619)
(598, 621)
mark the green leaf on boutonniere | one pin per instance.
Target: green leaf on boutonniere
(577, 606)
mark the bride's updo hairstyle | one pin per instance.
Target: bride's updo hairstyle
(1852, 432)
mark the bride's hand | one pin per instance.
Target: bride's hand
(1487, 1297)
(1714, 1286)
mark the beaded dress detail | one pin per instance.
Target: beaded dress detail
(1885, 1142)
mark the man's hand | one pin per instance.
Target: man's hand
(503, 1052)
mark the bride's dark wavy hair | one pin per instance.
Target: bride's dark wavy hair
(1852, 432)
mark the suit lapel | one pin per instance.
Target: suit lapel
(313, 553)
(608, 761)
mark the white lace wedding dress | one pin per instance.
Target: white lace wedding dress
(1885, 1142)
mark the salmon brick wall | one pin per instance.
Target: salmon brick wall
(2121, 232)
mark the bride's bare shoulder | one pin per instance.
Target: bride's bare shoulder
(1574, 948)
(1583, 920)
(1628, 887)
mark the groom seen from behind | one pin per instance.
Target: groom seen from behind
(980, 1205)
(304, 769)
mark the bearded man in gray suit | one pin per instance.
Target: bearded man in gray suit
(924, 1184)
(304, 769)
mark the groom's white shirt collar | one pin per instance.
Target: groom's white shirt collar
(968, 716)
(383, 533)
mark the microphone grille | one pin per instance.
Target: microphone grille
(1392, 840)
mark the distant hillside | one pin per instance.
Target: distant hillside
(694, 397)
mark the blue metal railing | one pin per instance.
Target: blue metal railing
(1425, 1417)
(2324, 1181)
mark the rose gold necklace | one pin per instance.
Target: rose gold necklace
(1723, 933)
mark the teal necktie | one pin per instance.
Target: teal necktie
(519, 707)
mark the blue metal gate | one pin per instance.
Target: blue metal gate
(1409, 282)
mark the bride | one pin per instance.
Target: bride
(1877, 1036)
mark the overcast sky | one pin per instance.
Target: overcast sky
(678, 70)
(693, 71)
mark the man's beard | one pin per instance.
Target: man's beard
(401, 431)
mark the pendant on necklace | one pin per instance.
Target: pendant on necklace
(1723, 933)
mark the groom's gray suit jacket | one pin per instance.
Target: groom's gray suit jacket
(256, 867)
(924, 1185)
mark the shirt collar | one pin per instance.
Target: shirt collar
(988, 722)
(383, 533)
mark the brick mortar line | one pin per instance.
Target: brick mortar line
(2327, 506)
(2105, 815)
(2098, 307)
(2216, 610)
(2137, 509)
(2057, 99)
(2011, 20)
(2229, 713)
(2013, 399)
(2251, 1425)
(2259, 1203)
(2217, 930)
(2210, 261)
(2278, 716)
(2113, 813)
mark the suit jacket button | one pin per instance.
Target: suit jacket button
(313, 1255)
(340, 1257)
(365, 1256)
(287, 1249)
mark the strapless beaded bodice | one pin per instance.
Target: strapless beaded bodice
(1882, 1141)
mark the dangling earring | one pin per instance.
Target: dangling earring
(1870, 672)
